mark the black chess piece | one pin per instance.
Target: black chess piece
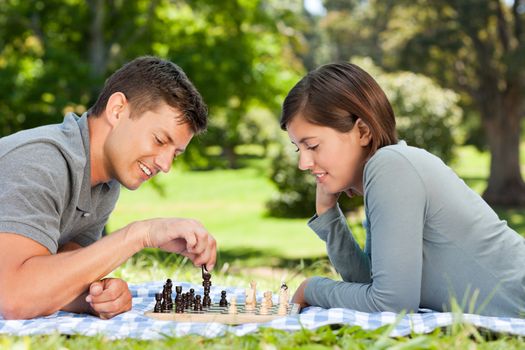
(198, 305)
(192, 297)
(166, 293)
(205, 274)
(223, 301)
(179, 307)
(178, 290)
(158, 302)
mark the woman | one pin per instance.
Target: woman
(430, 238)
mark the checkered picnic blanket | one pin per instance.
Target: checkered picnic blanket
(134, 324)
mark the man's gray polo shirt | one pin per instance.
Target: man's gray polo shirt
(45, 190)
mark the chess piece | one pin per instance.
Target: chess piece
(267, 299)
(178, 291)
(179, 306)
(282, 310)
(158, 302)
(167, 298)
(283, 294)
(192, 297)
(206, 283)
(233, 305)
(249, 300)
(198, 305)
(253, 286)
(263, 309)
(223, 301)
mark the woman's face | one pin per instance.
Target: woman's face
(335, 158)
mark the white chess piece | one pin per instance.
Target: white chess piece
(283, 296)
(253, 286)
(233, 305)
(249, 300)
(268, 299)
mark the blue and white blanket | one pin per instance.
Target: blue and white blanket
(134, 324)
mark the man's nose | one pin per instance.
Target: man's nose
(164, 161)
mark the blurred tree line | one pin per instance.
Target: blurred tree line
(454, 71)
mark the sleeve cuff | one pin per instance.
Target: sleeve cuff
(314, 290)
(321, 224)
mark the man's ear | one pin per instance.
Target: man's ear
(116, 105)
(365, 135)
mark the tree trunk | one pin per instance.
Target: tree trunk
(501, 122)
(228, 152)
(97, 51)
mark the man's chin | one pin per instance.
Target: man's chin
(131, 187)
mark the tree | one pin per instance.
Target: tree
(55, 56)
(236, 54)
(475, 47)
(482, 45)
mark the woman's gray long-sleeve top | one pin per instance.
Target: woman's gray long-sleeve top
(429, 238)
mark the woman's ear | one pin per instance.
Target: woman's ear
(365, 135)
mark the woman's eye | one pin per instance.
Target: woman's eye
(297, 150)
(159, 141)
(312, 148)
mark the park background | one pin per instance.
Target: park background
(453, 70)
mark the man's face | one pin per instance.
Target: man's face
(137, 149)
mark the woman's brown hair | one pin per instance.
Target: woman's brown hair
(336, 95)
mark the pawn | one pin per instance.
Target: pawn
(223, 301)
(192, 296)
(198, 305)
(158, 302)
(267, 299)
(263, 309)
(232, 310)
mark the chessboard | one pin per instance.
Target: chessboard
(192, 307)
(220, 314)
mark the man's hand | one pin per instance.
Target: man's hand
(183, 236)
(109, 297)
(298, 297)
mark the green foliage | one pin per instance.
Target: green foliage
(427, 117)
(55, 56)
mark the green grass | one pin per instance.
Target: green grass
(230, 203)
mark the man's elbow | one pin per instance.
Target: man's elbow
(13, 309)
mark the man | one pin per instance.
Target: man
(60, 184)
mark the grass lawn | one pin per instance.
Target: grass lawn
(230, 203)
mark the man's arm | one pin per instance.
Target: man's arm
(35, 282)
